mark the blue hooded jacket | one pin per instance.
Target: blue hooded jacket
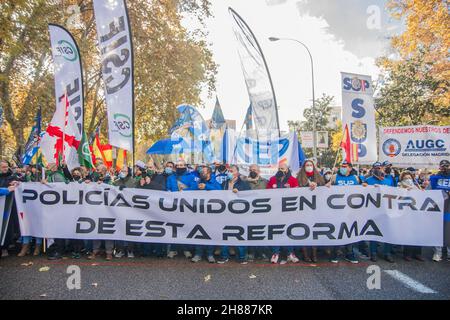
(187, 179)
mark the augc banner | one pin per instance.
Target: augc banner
(359, 114)
(114, 38)
(419, 146)
(68, 71)
(296, 217)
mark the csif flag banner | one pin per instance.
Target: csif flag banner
(115, 43)
(289, 217)
(358, 113)
(62, 138)
(257, 78)
(68, 72)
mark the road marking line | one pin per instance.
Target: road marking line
(409, 282)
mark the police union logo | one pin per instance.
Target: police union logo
(123, 125)
(66, 50)
(392, 148)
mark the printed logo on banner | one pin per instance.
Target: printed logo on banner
(426, 146)
(261, 153)
(66, 50)
(392, 148)
(356, 84)
(358, 131)
(122, 125)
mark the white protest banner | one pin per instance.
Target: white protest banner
(296, 217)
(358, 113)
(116, 49)
(307, 139)
(68, 72)
(5, 210)
(418, 146)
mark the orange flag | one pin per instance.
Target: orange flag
(121, 159)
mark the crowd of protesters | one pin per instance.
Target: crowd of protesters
(173, 177)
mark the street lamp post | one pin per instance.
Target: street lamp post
(313, 91)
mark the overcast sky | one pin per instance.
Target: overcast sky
(336, 32)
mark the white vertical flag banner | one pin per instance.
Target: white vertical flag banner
(115, 42)
(358, 113)
(257, 78)
(68, 71)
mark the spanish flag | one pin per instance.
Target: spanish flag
(349, 149)
(121, 159)
(102, 152)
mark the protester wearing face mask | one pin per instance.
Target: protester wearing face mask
(221, 174)
(181, 180)
(283, 179)
(345, 177)
(140, 171)
(441, 181)
(406, 181)
(254, 178)
(256, 182)
(76, 175)
(327, 175)
(378, 179)
(206, 183)
(390, 173)
(125, 180)
(236, 184)
(309, 177)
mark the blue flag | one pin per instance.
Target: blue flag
(192, 128)
(249, 118)
(218, 120)
(32, 145)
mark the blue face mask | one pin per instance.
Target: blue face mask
(122, 175)
(230, 176)
(168, 170)
(343, 171)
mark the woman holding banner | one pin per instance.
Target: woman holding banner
(309, 177)
(283, 179)
(406, 181)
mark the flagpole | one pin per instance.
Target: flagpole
(132, 84)
(66, 110)
(340, 149)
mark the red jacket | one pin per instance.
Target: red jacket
(293, 183)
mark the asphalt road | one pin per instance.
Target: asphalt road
(153, 279)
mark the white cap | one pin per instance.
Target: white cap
(140, 164)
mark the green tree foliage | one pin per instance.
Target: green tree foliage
(417, 80)
(323, 108)
(407, 96)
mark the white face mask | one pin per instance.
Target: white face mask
(328, 176)
(408, 182)
(309, 169)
